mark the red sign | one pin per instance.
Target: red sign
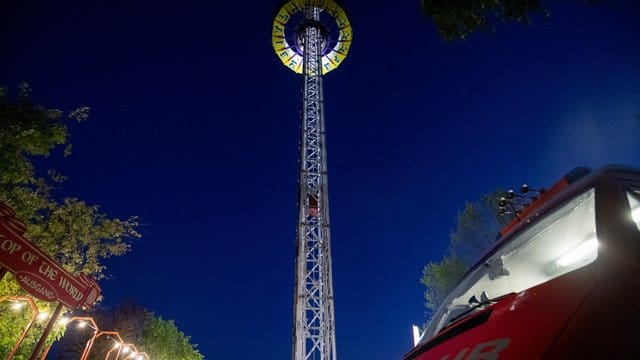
(36, 272)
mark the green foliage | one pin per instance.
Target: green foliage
(162, 340)
(456, 19)
(27, 129)
(152, 334)
(439, 277)
(12, 322)
(477, 227)
(78, 236)
(75, 234)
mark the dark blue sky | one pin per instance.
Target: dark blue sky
(194, 128)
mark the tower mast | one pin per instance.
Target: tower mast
(312, 46)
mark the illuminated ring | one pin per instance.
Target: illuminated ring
(338, 34)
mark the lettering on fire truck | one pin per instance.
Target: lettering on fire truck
(484, 351)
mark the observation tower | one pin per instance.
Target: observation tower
(312, 37)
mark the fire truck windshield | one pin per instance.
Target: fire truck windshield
(560, 242)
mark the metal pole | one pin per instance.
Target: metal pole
(46, 351)
(26, 328)
(132, 349)
(118, 344)
(20, 339)
(46, 332)
(89, 345)
(119, 349)
(108, 353)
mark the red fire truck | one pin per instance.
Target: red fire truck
(562, 281)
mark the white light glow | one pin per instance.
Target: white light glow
(140, 357)
(116, 345)
(126, 349)
(635, 214)
(584, 251)
(64, 321)
(17, 306)
(42, 316)
(82, 324)
(416, 335)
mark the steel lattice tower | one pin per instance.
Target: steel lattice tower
(312, 37)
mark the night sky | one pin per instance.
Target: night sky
(194, 128)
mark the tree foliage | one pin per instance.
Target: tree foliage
(13, 321)
(152, 334)
(456, 19)
(439, 277)
(477, 227)
(77, 235)
(163, 339)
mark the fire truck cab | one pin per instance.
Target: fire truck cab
(561, 282)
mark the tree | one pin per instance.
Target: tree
(457, 19)
(163, 339)
(75, 234)
(152, 334)
(439, 278)
(477, 227)
(78, 236)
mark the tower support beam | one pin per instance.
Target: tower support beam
(314, 328)
(312, 38)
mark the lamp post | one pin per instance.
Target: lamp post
(108, 333)
(45, 332)
(17, 306)
(46, 351)
(118, 345)
(84, 321)
(127, 349)
(41, 317)
(131, 353)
